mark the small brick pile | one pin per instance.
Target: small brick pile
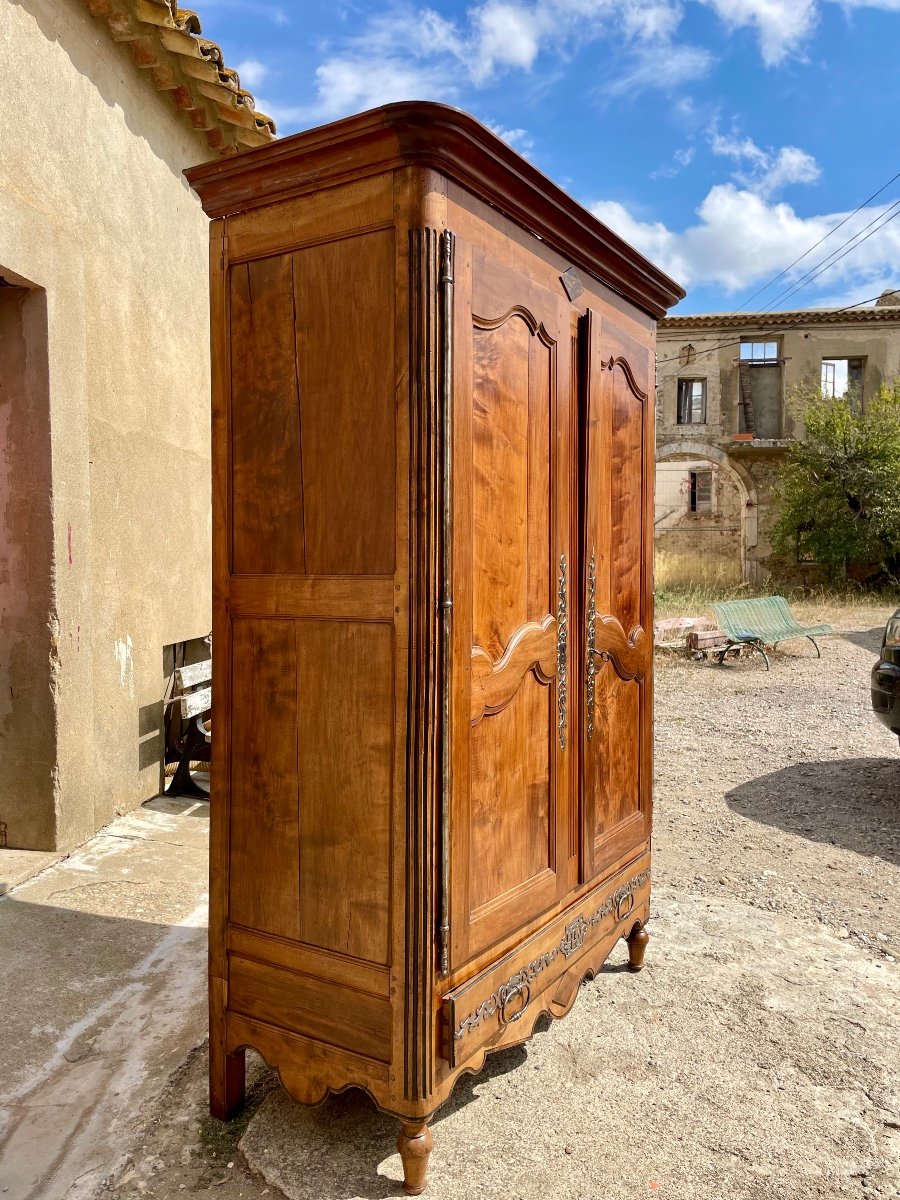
(698, 634)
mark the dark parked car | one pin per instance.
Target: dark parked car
(886, 677)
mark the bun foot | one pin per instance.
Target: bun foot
(637, 944)
(415, 1143)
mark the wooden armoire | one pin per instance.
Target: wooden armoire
(433, 460)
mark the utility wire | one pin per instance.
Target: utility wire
(796, 324)
(816, 245)
(819, 268)
(880, 221)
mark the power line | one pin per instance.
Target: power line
(816, 245)
(880, 221)
(797, 324)
(835, 255)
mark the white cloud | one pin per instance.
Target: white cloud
(252, 72)
(741, 239)
(768, 170)
(415, 53)
(649, 68)
(507, 35)
(791, 165)
(782, 25)
(884, 5)
(520, 139)
(731, 145)
(349, 85)
(683, 158)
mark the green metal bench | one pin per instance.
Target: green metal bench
(762, 622)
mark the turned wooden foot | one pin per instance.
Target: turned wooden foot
(637, 944)
(415, 1143)
(226, 1082)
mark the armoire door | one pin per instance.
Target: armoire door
(617, 603)
(514, 505)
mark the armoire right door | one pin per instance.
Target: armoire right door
(617, 604)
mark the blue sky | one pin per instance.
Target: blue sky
(723, 138)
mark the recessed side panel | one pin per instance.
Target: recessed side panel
(316, 1008)
(267, 488)
(344, 297)
(345, 696)
(264, 826)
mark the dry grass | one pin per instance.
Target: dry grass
(679, 571)
(813, 605)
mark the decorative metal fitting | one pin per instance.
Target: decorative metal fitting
(590, 666)
(562, 650)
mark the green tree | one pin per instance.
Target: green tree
(838, 492)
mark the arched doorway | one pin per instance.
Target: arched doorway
(705, 518)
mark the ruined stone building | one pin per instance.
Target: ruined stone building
(104, 394)
(723, 425)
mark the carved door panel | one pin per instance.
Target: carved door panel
(617, 545)
(512, 525)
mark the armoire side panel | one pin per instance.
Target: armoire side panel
(267, 488)
(344, 297)
(313, 410)
(265, 808)
(344, 764)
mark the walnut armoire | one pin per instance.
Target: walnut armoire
(433, 449)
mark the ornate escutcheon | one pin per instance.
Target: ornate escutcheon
(562, 650)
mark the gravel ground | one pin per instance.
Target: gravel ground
(780, 788)
(757, 1056)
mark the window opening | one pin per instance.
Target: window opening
(759, 352)
(701, 491)
(691, 402)
(843, 377)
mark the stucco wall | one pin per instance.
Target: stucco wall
(95, 215)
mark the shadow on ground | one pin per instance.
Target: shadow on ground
(866, 639)
(850, 802)
(351, 1119)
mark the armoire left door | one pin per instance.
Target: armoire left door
(513, 511)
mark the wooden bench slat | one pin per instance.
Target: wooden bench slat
(196, 703)
(190, 676)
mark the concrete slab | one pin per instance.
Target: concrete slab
(754, 1057)
(102, 996)
(18, 865)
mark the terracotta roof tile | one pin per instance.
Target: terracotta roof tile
(165, 42)
(804, 316)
